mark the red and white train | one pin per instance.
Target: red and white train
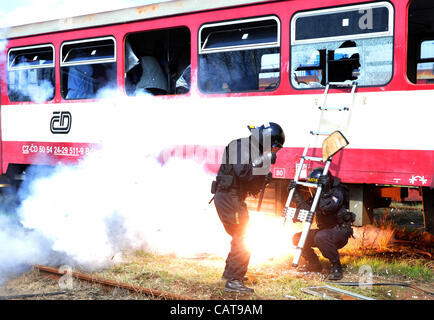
(248, 62)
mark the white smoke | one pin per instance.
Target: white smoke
(121, 197)
(39, 93)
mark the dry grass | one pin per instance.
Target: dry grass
(200, 277)
(33, 283)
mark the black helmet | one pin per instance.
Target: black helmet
(272, 130)
(316, 173)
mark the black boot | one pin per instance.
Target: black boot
(310, 267)
(237, 286)
(312, 264)
(336, 272)
(224, 277)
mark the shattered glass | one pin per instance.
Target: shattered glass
(376, 62)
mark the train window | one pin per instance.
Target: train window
(88, 67)
(353, 43)
(239, 56)
(420, 59)
(158, 62)
(30, 74)
(425, 65)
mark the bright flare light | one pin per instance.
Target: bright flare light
(269, 238)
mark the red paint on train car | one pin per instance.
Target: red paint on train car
(407, 167)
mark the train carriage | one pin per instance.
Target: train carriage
(245, 62)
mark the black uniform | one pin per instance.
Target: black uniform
(236, 180)
(333, 221)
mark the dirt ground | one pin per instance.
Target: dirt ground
(200, 278)
(32, 283)
(290, 284)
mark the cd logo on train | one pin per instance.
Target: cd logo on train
(61, 122)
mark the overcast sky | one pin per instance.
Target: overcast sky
(18, 12)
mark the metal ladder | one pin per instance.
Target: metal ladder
(303, 215)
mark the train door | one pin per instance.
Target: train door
(420, 71)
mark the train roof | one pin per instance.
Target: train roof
(155, 10)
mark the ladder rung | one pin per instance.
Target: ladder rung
(313, 158)
(320, 133)
(335, 108)
(307, 184)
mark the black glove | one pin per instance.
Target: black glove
(268, 178)
(273, 157)
(324, 181)
(292, 185)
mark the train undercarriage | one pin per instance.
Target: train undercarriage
(364, 198)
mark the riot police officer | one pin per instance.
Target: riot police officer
(245, 170)
(333, 222)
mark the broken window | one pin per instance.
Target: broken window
(31, 73)
(425, 65)
(158, 62)
(342, 44)
(87, 67)
(420, 47)
(240, 56)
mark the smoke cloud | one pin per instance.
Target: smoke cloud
(123, 196)
(130, 193)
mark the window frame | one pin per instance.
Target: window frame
(316, 12)
(420, 60)
(389, 33)
(44, 66)
(243, 47)
(96, 61)
(52, 65)
(163, 29)
(278, 44)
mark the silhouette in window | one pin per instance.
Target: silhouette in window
(80, 82)
(343, 63)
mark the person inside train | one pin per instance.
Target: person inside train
(80, 82)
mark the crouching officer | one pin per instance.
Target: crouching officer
(244, 171)
(333, 221)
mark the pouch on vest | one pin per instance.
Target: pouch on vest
(213, 187)
(224, 182)
(345, 216)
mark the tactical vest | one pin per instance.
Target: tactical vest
(226, 179)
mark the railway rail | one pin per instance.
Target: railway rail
(110, 284)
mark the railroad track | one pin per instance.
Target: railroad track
(111, 284)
